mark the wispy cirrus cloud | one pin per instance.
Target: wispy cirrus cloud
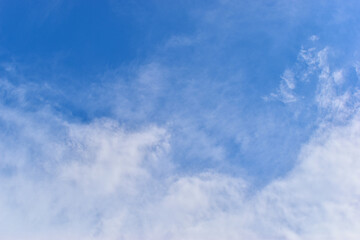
(285, 92)
(331, 92)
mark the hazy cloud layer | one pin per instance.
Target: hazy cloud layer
(246, 126)
(99, 180)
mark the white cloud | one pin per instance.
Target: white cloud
(111, 158)
(285, 92)
(317, 200)
(314, 38)
(98, 180)
(288, 78)
(338, 77)
(333, 102)
(357, 69)
(61, 177)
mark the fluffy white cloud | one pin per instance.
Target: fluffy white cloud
(64, 180)
(318, 199)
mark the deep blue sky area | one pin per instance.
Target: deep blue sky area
(88, 35)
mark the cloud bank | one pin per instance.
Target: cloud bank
(164, 149)
(100, 180)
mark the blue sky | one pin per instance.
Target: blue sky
(179, 120)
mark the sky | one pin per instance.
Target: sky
(174, 120)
